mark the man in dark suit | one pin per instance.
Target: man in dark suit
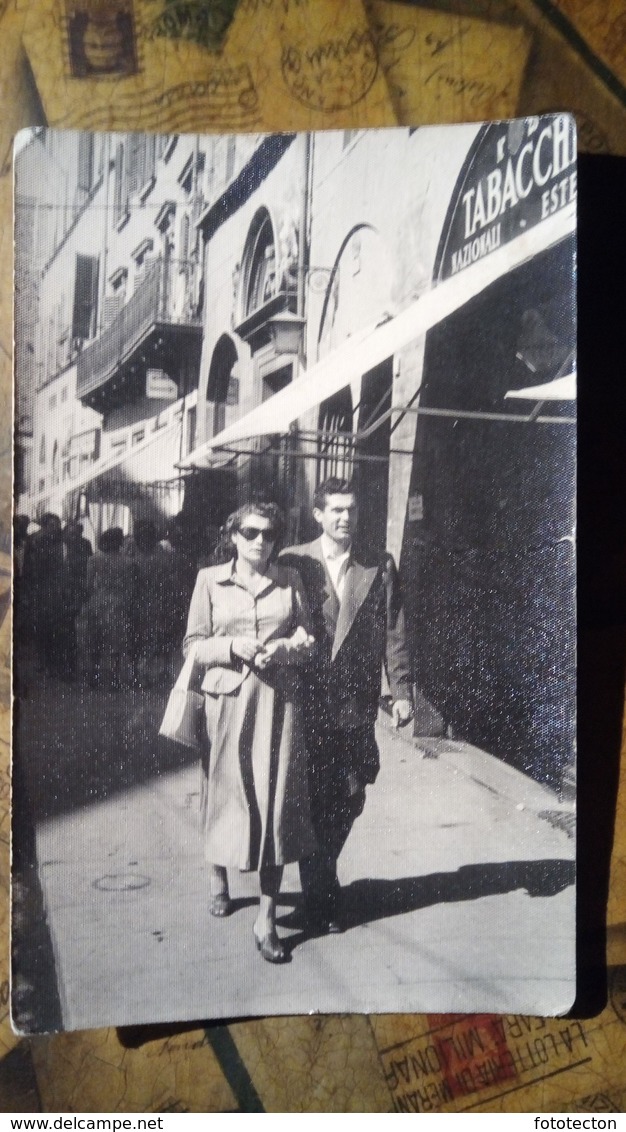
(358, 623)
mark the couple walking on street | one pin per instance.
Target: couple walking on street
(291, 646)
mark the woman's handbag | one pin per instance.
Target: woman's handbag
(184, 713)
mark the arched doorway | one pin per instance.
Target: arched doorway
(223, 382)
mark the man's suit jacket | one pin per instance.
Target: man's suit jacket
(354, 638)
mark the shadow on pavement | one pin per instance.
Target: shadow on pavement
(365, 901)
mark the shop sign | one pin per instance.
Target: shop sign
(160, 386)
(519, 173)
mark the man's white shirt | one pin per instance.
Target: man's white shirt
(336, 564)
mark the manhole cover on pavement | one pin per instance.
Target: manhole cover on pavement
(121, 882)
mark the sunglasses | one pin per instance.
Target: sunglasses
(251, 533)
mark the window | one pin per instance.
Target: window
(223, 385)
(348, 137)
(262, 277)
(336, 445)
(42, 450)
(118, 278)
(195, 161)
(120, 200)
(169, 145)
(274, 382)
(232, 393)
(191, 430)
(52, 403)
(85, 297)
(184, 242)
(139, 435)
(85, 162)
(142, 250)
(231, 150)
(64, 394)
(135, 163)
(141, 161)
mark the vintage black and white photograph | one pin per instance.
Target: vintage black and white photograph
(294, 634)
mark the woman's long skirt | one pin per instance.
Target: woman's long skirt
(256, 799)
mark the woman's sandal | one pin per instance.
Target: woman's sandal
(271, 950)
(220, 904)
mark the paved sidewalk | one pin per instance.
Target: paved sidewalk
(458, 894)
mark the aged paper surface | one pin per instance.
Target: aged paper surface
(315, 57)
(557, 75)
(602, 26)
(69, 1068)
(91, 1071)
(509, 1063)
(447, 68)
(280, 67)
(401, 1063)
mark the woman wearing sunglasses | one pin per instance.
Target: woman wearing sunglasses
(249, 628)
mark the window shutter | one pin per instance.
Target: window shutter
(85, 296)
(184, 240)
(119, 182)
(85, 162)
(150, 142)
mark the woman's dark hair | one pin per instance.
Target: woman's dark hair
(225, 550)
(111, 540)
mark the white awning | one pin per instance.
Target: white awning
(370, 347)
(560, 389)
(100, 467)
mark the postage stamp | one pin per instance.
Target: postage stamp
(101, 38)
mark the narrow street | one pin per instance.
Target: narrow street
(458, 881)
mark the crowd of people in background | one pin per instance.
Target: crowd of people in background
(110, 616)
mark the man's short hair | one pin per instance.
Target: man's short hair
(332, 486)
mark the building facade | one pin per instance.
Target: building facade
(220, 316)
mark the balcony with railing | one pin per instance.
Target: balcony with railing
(153, 329)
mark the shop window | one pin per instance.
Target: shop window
(336, 445)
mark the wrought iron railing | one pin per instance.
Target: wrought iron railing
(151, 303)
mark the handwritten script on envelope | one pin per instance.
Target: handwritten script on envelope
(448, 68)
(284, 65)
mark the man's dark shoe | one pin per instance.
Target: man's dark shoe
(323, 923)
(333, 927)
